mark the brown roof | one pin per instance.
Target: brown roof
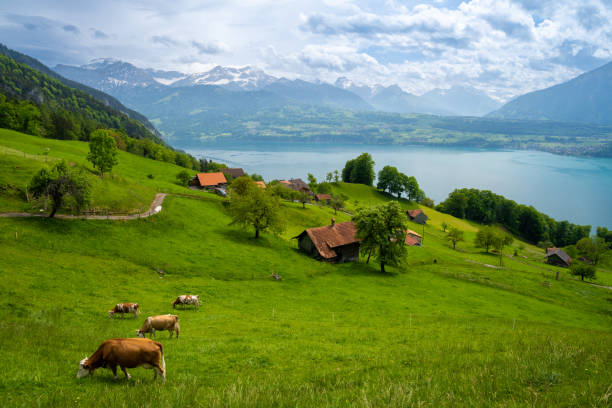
(211, 179)
(328, 237)
(412, 241)
(235, 173)
(560, 253)
(296, 184)
(261, 184)
(411, 232)
(414, 213)
(321, 197)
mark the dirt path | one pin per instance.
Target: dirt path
(154, 208)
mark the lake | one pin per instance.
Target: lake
(576, 189)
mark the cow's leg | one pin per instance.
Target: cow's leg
(113, 368)
(152, 333)
(126, 373)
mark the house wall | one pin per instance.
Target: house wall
(348, 253)
(306, 245)
(420, 219)
(555, 260)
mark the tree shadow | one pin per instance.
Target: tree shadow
(243, 237)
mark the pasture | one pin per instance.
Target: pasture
(451, 333)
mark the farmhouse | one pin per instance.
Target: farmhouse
(417, 216)
(323, 197)
(210, 180)
(559, 257)
(413, 238)
(232, 173)
(297, 185)
(334, 242)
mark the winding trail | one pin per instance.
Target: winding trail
(154, 208)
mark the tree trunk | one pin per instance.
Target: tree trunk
(53, 211)
(369, 255)
(256, 232)
(398, 195)
(581, 277)
(454, 243)
(303, 204)
(382, 267)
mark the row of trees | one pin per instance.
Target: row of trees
(485, 207)
(396, 182)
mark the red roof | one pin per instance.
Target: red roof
(328, 237)
(411, 232)
(414, 213)
(211, 179)
(261, 184)
(321, 197)
(412, 241)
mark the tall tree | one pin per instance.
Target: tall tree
(59, 183)
(102, 150)
(454, 236)
(359, 170)
(254, 207)
(382, 230)
(485, 238)
(500, 241)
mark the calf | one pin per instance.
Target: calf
(125, 353)
(124, 308)
(187, 300)
(163, 322)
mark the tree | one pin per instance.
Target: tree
(359, 170)
(102, 150)
(312, 182)
(337, 202)
(444, 226)
(328, 177)
(583, 270)
(382, 230)
(58, 184)
(454, 236)
(256, 177)
(592, 248)
(428, 202)
(412, 188)
(485, 238)
(254, 207)
(336, 176)
(387, 177)
(183, 177)
(499, 242)
(303, 197)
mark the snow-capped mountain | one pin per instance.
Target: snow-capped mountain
(239, 79)
(463, 100)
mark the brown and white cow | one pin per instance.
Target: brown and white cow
(163, 322)
(187, 300)
(124, 308)
(125, 353)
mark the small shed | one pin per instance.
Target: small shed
(334, 242)
(558, 257)
(211, 180)
(297, 185)
(417, 216)
(233, 172)
(323, 197)
(413, 238)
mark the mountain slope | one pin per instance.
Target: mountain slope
(586, 99)
(462, 101)
(98, 94)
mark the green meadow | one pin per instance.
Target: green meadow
(449, 328)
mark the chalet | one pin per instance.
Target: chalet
(556, 256)
(261, 184)
(417, 216)
(323, 197)
(210, 180)
(413, 239)
(232, 173)
(334, 243)
(297, 185)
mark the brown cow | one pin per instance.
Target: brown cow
(187, 300)
(125, 353)
(163, 322)
(124, 308)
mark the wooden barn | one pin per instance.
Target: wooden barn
(210, 180)
(334, 242)
(413, 238)
(326, 198)
(232, 173)
(297, 185)
(558, 257)
(417, 216)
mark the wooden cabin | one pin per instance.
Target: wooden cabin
(334, 242)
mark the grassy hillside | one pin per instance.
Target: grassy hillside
(451, 333)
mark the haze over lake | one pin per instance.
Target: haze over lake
(576, 189)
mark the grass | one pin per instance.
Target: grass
(453, 333)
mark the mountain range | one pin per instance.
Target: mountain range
(584, 99)
(115, 77)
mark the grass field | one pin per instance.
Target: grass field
(451, 333)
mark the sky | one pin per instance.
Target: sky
(502, 47)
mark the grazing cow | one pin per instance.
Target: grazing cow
(163, 322)
(125, 353)
(124, 308)
(187, 300)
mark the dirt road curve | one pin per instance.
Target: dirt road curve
(153, 209)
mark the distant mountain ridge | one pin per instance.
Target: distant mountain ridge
(584, 99)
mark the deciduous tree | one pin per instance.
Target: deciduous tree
(254, 207)
(102, 150)
(454, 236)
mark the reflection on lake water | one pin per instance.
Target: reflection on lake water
(574, 188)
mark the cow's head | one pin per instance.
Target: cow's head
(140, 333)
(111, 313)
(84, 368)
